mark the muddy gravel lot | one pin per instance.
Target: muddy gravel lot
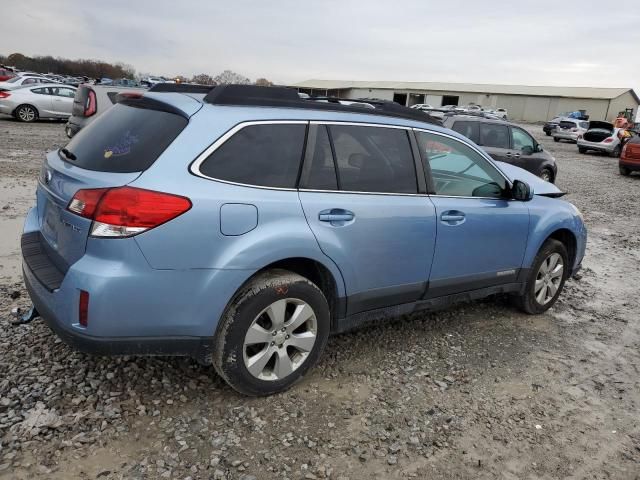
(478, 391)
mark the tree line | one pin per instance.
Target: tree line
(99, 69)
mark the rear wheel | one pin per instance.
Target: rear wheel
(556, 139)
(272, 333)
(26, 113)
(546, 278)
(616, 151)
(548, 134)
(624, 171)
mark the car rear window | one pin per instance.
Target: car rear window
(566, 124)
(124, 139)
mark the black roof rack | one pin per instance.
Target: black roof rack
(181, 88)
(253, 95)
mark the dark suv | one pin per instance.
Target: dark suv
(506, 142)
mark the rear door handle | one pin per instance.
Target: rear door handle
(453, 217)
(336, 215)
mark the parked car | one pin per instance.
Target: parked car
(91, 101)
(179, 224)
(47, 101)
(23, 80)
(422, 106)
(630, 157)
(506, 142)
(501, 112)
(6, 74)
(600, 137)
(551, 125)
(570, 129)
(151, 81)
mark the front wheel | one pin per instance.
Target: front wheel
(582, 150)
(26, 113)
(546, 279)
(546, 175)
(624, 171)
(272, 333)
(556, 139)
(548, 134)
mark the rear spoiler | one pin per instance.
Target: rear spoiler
(137, 100)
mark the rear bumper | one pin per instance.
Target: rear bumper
(600, 147)
(565, 136)
(133, 308)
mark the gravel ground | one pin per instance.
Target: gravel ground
(478, 391)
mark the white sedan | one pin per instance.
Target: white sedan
(23, 81)
(28, 104)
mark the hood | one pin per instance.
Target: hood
(539, 186)
(602, 125)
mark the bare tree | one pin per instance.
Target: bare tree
(203, 79)
(228, 77)
(263, 82)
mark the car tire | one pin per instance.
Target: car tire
(548, 134)
(543, 287)
(26, 113)
(582, 150)
(624, 171)
(255, 351)
(547, 175)
(616, 152)
(556, 139)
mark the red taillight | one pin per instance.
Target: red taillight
(90, 106)
(83, 308)
(5, 94)
(608, 140)
(126, 211)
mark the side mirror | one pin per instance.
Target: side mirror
(521, 191)
(539, 148)
(527, 150)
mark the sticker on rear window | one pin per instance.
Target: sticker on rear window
(123, 147)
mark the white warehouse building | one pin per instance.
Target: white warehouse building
(522, 102)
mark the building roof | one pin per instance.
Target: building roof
(531, 90)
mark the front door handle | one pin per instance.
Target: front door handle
(453, 217)
(337, 215)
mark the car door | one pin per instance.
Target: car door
(494, 139)
(481, 233)
(42, 100)
(361, 197)
(62, 100)
(524, 151)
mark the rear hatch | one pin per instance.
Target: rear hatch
(110, 152)
(598, 131)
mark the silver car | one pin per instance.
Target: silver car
(601, 137)
(28, 104)
(570, 129)
(23, 81)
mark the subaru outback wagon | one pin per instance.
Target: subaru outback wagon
(242, 225)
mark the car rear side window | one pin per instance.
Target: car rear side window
(266, 155)
(374, 159)
(494, 135)
(124, 139)
(567, 124)
(468, 129)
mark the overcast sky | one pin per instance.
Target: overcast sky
(569, 42)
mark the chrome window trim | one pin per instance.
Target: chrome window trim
(314, 190)
(477, 150)
(357, 124)
(195, 165)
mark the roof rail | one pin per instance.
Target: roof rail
(181, 88)
(253, 95)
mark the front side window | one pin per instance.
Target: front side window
(374, 159)
(494, 135)
(62, 92)
(266, 155)
(521, 139)
(458, 170)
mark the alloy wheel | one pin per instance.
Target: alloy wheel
(280, 339)
(27, 114)
(545, 175)
(549, 278)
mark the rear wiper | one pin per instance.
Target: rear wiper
(68, 154)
